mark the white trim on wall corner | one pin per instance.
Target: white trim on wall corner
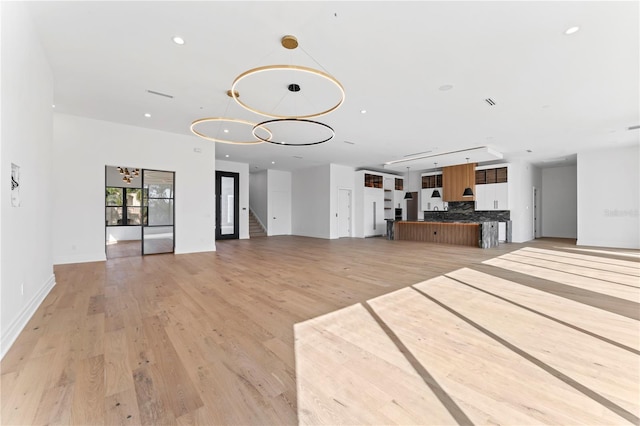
(16, 327)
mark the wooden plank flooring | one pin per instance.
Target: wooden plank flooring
(209, 338)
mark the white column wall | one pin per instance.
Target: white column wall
(86, 145)
(26, 265)
(522, 178)
(609, 197)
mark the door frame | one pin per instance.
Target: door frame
(236, 201)
(173, 213)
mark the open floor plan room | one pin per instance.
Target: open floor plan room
(286, 330)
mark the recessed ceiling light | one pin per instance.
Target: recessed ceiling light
(226, 130)
(572, 30)
(227, 155)
(273, 162)
(364, 111)
(178, 40)
(445, 87)
(146, 114)
(53, 106)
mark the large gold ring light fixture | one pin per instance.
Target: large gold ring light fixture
(270, 68)
(229, 120)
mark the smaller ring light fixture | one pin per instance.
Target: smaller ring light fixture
(292, 120)
(215, 138)
(288, 42)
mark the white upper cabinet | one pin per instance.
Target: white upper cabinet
(432, 182)
(492, 188)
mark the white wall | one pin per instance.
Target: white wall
(522, 178)
(86, 145)
(258, 196)
(609, 197)
(559, 202)
(123, 233)
(310, 207)
(279, 201)
(341, 177)
(243, 170)
(26, 266)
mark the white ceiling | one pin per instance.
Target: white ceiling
(554, 94)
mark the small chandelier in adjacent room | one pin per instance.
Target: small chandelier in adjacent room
(128, 174)
(435, 193)
(468, 192)
(408, 195)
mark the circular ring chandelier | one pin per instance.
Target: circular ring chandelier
(296, 120)
(258, 140)
(269, 68)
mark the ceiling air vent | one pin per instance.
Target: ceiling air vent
(418, 153)
(490, 101)
(160, 94)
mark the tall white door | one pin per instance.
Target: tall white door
(344, 213)
(280, 212)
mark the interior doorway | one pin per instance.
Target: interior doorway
(139, 212)
(227, 205)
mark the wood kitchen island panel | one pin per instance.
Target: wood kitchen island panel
(466, 234)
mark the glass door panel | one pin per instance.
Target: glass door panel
(227, 203)
(157, 213)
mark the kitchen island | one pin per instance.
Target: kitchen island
(483, 234)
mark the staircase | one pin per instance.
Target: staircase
(255, 229)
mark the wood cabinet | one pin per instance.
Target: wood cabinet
(372, 181)
(493, 175)
(467, 234)
(454, 181)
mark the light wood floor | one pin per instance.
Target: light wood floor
(209, 338)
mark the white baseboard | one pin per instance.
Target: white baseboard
(18, 324)
(79, 258)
